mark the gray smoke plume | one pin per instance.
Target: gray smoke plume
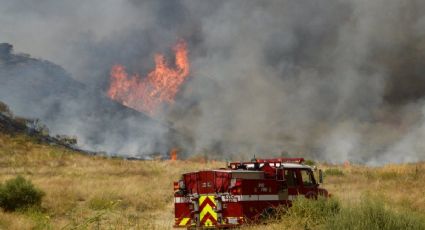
(333, 80)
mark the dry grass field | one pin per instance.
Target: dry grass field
(84, 192)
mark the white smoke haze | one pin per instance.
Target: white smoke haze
(332, 80)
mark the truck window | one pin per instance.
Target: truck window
(307, 178)
(290, 177)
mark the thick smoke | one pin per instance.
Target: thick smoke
(334, 80)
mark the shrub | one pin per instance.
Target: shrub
(334, 172)
(19, 193)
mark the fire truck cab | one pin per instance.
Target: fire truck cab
(229, 197)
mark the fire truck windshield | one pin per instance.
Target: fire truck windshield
(307, 177)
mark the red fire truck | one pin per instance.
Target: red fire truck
(229, 197)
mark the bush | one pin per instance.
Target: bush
(19, 193)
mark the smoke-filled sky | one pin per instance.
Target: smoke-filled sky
(334, 80)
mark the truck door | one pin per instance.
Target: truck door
(308, 185)
(292, 182)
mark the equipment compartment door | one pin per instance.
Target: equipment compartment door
(207, 213)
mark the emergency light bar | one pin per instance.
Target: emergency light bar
(276, 162)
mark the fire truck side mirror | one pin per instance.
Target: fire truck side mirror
(182, 186)
(320, 176)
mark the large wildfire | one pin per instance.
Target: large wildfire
(349, 86)
(159, 87)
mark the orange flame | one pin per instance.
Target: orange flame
(160, 86)
(173, 154)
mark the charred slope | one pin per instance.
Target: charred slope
(12, 125)
(9, 124)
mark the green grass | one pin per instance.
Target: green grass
(313, 213)
(334, 172)
(372, 214)
(369, 213)
(104, 202)
(40, 219)
(310, 162)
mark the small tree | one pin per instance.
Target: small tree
(19, 193)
